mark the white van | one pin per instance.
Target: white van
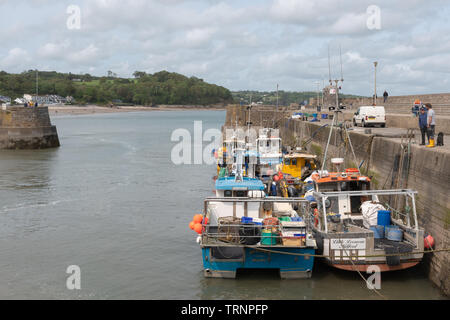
(370, 115)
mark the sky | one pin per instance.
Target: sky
(241, 45)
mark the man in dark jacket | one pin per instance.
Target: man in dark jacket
(385, 96)
(423, 125)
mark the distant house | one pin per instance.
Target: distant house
(4, 99)
(47, 99)
(20, 101)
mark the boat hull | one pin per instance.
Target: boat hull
(220, 264)
(340, 259)
(382, 266)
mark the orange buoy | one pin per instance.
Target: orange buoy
(428, 242)
(198, 218)
(198, 228)
(205, 221)
(191, 225)
(276, 178)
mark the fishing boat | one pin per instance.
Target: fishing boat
(297, 166)
(242, 228)
(357, 227)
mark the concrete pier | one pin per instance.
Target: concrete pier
(27, 128)
(428, 173)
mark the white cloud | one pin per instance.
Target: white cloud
(16, 58)
(242, 45)
(88, 55)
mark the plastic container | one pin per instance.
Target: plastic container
(284, 218)
(268, 238)
(378, 232)
(246, 220)
(324, 116)
(394, 233)
(384, 218)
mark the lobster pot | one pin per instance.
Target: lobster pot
(228, 229)
(250, 234)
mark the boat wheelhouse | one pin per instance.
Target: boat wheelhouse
(297, 167)
(268, 148)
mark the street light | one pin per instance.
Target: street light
(375, 95)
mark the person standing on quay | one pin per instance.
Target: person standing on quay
(385, 96)
(431, 124)
(423, 125)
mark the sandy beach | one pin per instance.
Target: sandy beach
(92, 109)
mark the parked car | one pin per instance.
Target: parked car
(297, 115)
(370, 115)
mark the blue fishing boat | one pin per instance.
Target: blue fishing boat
(245, 229)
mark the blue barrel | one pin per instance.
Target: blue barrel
(384, 218)
(394, 233)
(324, 115)
(378, 232)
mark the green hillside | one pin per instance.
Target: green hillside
(145, 89)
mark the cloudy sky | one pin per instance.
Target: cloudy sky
(238, 44)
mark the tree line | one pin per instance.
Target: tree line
(285, 98)
(144, 89)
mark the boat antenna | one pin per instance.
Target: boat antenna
(329, 66)
(340, 54)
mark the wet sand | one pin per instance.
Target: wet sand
(92, 109)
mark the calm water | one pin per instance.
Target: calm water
(111, 201)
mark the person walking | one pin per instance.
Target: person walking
(385, 96)
(423, 125)
(431, 124)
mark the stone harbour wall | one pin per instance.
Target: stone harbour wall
(27, 128)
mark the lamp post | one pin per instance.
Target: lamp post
(375, 95)
(319, 111)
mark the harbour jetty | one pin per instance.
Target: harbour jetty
(27, 128)
(390, 157)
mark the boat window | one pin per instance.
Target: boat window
(287, 162)
(228, 193)
(240, 194)
(294, 162)
(328, 186)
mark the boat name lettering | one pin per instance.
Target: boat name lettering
(357, 243)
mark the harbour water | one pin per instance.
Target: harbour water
(111, 201)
